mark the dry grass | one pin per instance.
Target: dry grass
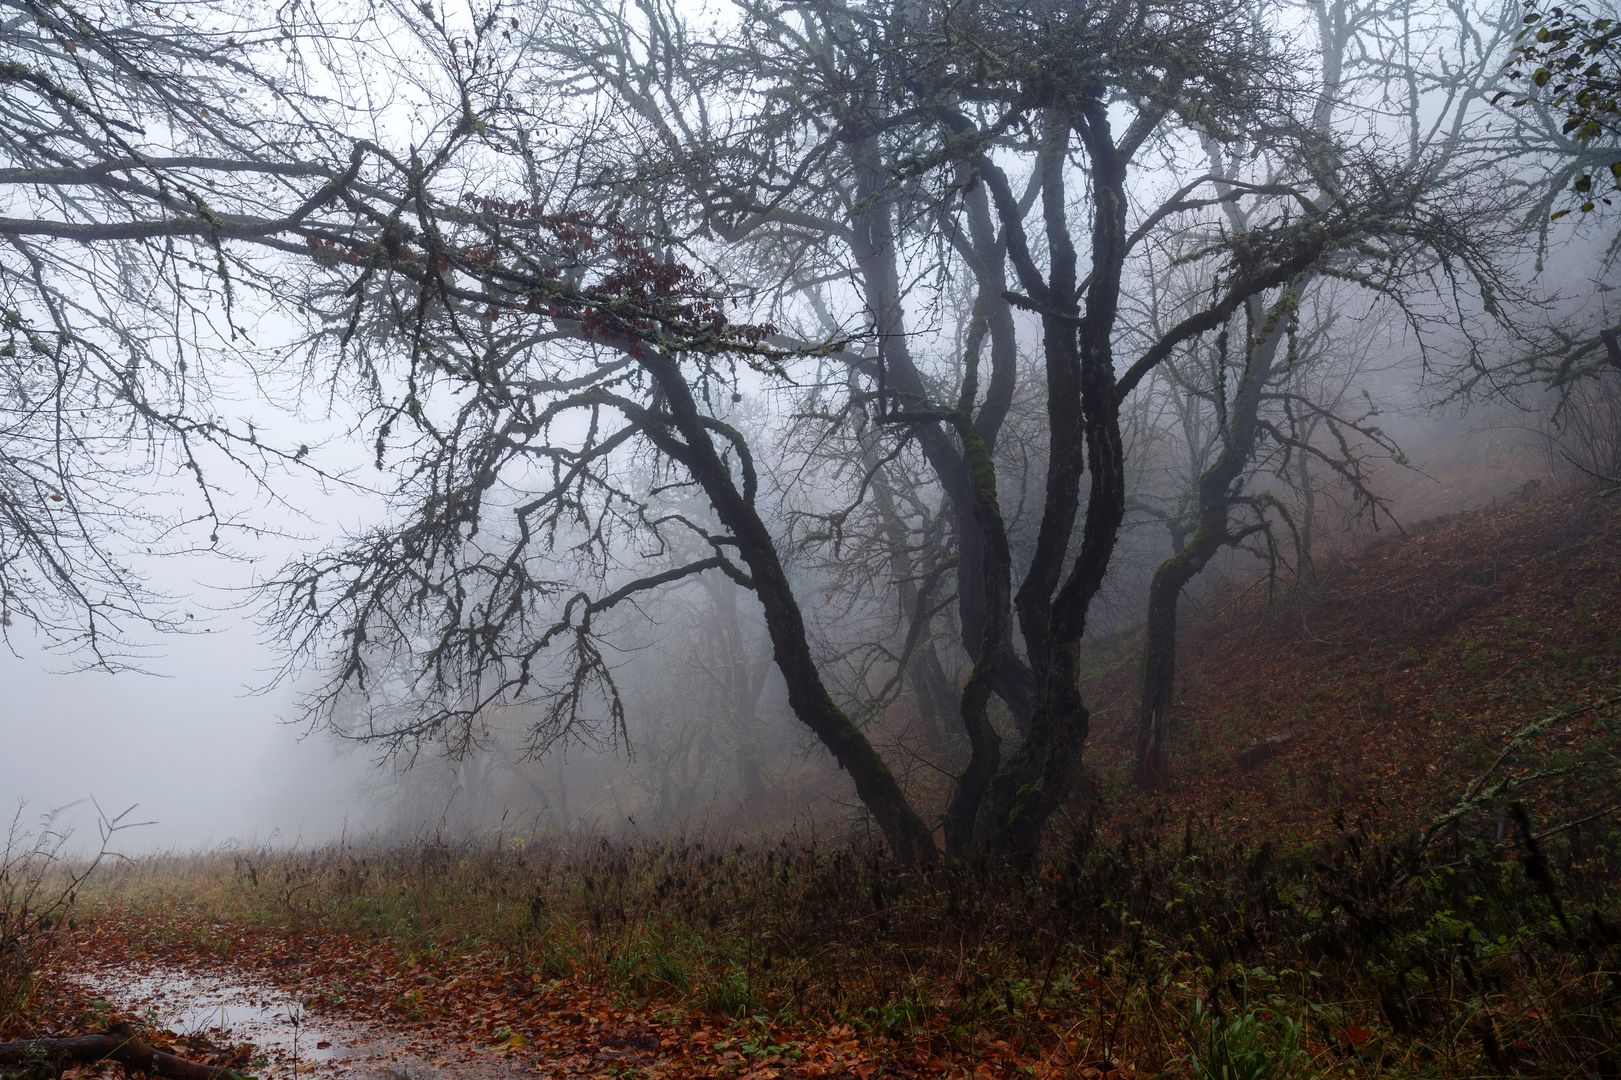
(1149, 953)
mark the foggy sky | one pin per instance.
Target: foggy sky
(193, 741)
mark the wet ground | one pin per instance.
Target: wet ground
(288, 1040)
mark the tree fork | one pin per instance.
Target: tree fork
(968, 795)
(903, 829)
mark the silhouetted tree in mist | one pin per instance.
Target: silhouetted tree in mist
(848, 155)
(839, 297)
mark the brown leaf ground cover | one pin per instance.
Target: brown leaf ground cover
(1398, 675)
(474, 1002)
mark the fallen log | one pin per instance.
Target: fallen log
(118, 1043)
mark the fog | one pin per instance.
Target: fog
(202, 755)
(453, 564)
(193, 742)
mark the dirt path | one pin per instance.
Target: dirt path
(233, 1008)
(318, 1002)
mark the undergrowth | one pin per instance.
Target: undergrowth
(1476, 935)
(39, 887)
(1446, 955)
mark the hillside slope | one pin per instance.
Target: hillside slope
(1398, 677)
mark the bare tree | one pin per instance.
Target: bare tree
(150, 170)
(556, 353)
(917, 228)
(1378, 66)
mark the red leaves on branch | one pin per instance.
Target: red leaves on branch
(598, 274)
(640, 294)
(329, 252)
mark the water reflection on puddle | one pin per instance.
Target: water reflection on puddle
(294, 1042)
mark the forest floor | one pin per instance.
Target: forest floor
(1396, 676)
(1271, 921)
(323, 1002)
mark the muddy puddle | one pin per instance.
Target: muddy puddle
(290, 1041)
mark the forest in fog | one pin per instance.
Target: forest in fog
(1119, 489)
